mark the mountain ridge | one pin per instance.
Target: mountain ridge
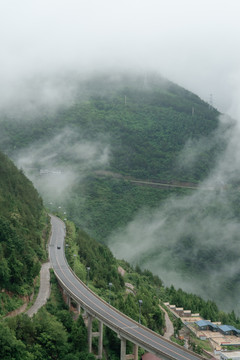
(147, 128)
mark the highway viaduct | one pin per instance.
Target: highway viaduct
(94, 307)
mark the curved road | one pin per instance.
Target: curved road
(121, 324)
(44, 291)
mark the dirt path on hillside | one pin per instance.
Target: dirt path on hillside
(20, 310)
(44, 291)
(169, 326)
(43, 294)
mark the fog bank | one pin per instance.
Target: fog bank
(192, 241)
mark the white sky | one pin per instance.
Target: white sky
(192, 42)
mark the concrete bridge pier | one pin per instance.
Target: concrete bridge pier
(123, 349)
(92, 334)
(135, 352)
(84, 314)
(68, 300)
(123, 355)
(100, 339)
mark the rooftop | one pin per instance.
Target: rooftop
(149, 356)
(226, 328)
(203, 323)
(231, 354)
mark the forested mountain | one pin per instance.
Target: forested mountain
(24, 233)
(139, 127)
(144, 121)
(53, 333)
(22, 241)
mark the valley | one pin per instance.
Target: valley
(139, 133)
(121, 121)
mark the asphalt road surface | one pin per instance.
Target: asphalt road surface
(44, 291)
(111, 317)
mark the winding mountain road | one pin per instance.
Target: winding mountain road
(95, 306)
(44, 291)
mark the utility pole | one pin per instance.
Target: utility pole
(140, 303)
(88, 269)
(74, 262)
(110, 285)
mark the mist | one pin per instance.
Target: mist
(191, 43)
(192, 241)
(46, 47)
(46, 163)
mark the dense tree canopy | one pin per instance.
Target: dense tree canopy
(21, 225)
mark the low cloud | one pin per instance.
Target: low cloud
(47, 164)
(35, 96)
(192, 241)
(197, 51)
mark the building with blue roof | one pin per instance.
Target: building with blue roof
(206, 325)
(235, 331)
(203, 324)
(225, 329)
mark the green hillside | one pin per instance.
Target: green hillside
(130, 124)
(22, 241)
(137, 127)
(147, 132)
(146, 122)
(54, 332)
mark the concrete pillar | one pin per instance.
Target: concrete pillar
(100, 339)
(135, 352)
(79, 308)
(90, 333)
(65, 296)
(123, 349)
(68, 300)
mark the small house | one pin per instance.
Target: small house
(226, 355)
(187, 313)
(225, 329)
(179, 311)
(203, 324)
(213, 327)
(149, 356)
